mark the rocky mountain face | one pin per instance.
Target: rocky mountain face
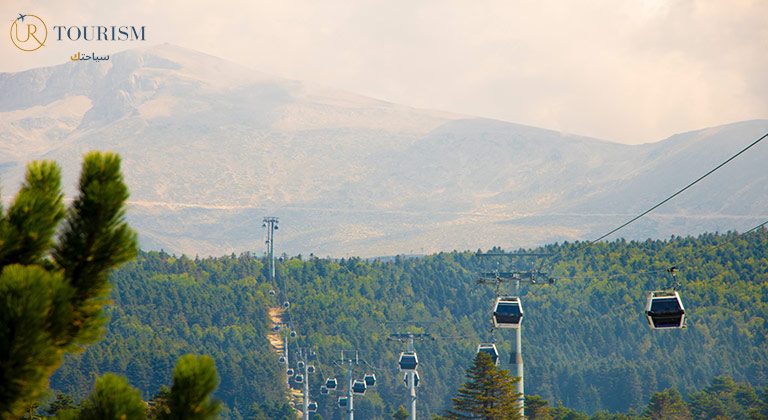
(209, 148)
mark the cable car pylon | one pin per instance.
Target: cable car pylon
(409, 362)
(305, 356)
(508, 309)
(270, 223)
(356, 387)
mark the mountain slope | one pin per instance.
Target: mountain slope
(210, 147)
(586, 341)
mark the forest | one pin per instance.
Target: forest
(587, 348)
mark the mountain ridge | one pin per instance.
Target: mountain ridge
(210, 147)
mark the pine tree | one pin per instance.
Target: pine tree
(401, 414)
(274, 411)
(51, 296)
(158, 405)
(62, 402)
(667, 405)
(194, 380)
(536, 408)
(488, 394)
(113, 399)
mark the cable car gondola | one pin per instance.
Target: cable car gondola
(342, 401)
(408, 361)
(300, 364)
(664, 309)
(299, 378)
(358, 387)
(415, 380)
(281, 359)
(289, 372)
(271, 292)
(507, 312)
(489, 349)
(330, 383)
(312, 407)
(370, 380)
(323, 389)
(310, 369)
(286, 305)
(293, 334)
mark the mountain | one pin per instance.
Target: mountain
(210, 147)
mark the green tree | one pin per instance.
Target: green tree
(194, 379)
(559, 412)
(30, 413)
(488, 394)
(603, 415)
(113, 399)
(158, 405)
(763, 409)
(667, 405)
(725, 398)
(400, 414)
(51, 295)
(536, 408)
(273, 411)
(62, 402)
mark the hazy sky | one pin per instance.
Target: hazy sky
(629, 71)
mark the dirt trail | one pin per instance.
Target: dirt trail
(275, 338)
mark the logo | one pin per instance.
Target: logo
(28, 32)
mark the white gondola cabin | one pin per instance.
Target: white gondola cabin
(507, 312)
(330, 383)
(299, 378)
(342, 401)
(370, 380)
(310, 369)
(489, 349)
(281, 359)
(323, 389)
(415, 381)
(289, 372)
(312, 407)
(664, 309)
(408, 361)
(358, 387)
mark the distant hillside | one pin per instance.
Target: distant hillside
(210, 148)
(586, 342)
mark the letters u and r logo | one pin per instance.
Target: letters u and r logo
(28, 32)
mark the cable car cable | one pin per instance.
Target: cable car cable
(460, 337)
(592, 242)
(714, 247)
(680, 266)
